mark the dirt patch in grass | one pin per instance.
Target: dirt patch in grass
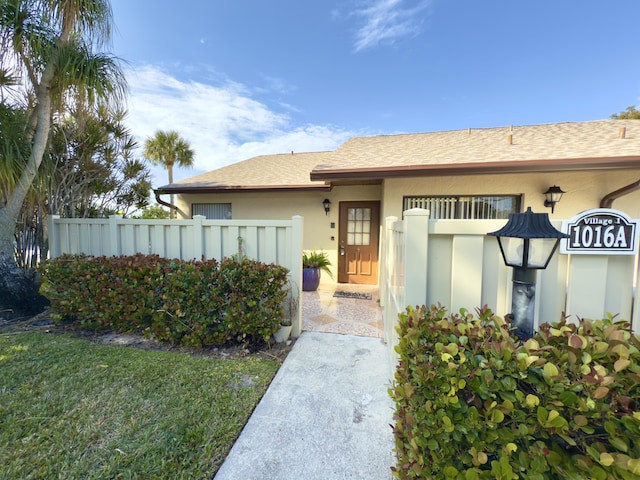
(12, 322)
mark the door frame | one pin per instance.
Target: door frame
(375, 205)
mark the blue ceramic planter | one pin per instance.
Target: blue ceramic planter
(310, 279)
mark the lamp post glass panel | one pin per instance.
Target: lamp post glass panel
(527, 243)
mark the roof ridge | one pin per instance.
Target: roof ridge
(455, 130)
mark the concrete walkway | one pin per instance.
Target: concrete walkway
(325, 416)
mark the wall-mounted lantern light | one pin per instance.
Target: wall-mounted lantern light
(527, 243)
(326, 203)
(552, 196)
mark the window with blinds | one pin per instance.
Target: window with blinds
(465, 207)
(212, 211)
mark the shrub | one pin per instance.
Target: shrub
(473, 402)
(102, 292)
(188, 304)
(254, 296)
(194, 303)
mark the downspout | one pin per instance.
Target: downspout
(162, 202)
(607, 200)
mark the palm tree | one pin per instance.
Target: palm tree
(50, 44)
(168, 149)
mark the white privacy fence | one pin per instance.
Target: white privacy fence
(454, 262)
(268, 241)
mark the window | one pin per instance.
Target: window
(467, 207)
(212, 211)
(358, 226)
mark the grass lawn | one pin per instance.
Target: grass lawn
(73, 409)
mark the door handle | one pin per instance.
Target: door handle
(341, 250)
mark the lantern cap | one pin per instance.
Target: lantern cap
(529, 225)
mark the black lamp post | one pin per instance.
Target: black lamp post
(527, 243)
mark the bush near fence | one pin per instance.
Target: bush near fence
(474, 402)
(194, 303)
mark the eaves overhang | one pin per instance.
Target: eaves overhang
(479, 168)
(199, 189)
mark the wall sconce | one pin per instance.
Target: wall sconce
(326, 204)
(553, 196)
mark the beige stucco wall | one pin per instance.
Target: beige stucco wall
(318, 234)
(584, 190)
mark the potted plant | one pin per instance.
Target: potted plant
(284, 331)
(313, 264)
(289, 311)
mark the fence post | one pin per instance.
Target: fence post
(198, 240)
(416, 235)
(114, 237)
(297, 226)
(386, 302)
(54, 237)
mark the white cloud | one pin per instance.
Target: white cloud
(385, 21)
(223, 124)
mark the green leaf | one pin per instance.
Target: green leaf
(568, 398)
(619, 443)
(606, 459)
(550, 370)
(471, 475)
(542, 415)
(451, 472)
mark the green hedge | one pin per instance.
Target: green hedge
(194, 303)
(474, 402)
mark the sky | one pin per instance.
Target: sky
(240, 78)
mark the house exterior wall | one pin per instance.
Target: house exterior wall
(584, 190)
(317, 234)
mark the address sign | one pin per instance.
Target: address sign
(601, 231)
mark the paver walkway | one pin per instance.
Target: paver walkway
(324, 312)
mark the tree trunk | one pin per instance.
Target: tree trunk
(17, 292)
(172, 211)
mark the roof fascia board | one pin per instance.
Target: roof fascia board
(241, 189)
(481, 168)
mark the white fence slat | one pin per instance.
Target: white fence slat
(587, 285)
(551, 291)
(251, 242)
(619, 293)
(416, 229)
(173, 239)
(197, 233)
(143, 243)
(230, 246)
(495, 278)
(271, 251)
(439, 273)
(114, 237)
(127, 239)
(466, 272)
(158, 244)
(213, 241)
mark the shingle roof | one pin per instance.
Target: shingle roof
(264, 172)
(555, 142)
(558, 146)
